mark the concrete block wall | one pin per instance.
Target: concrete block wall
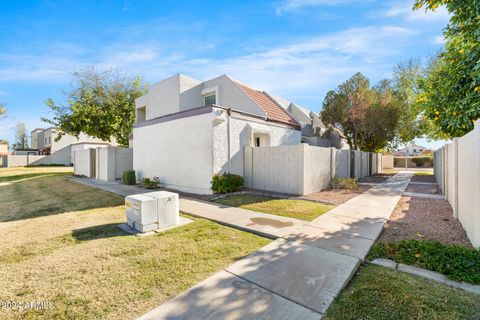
(83, 163)
(387, 161)
(457, 170)
(111, 162)
(22, 160)
(300, 169)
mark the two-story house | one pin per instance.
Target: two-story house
(187, 130)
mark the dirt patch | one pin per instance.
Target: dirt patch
(423, 178)
(336, 196)
(376, 178)
(423, 188)
(270, 222)
(422, 219)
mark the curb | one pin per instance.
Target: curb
(426, 274)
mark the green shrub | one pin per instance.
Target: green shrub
(344, 183)
(128, 177)
(458, 263)
(226, 183)
(153, 183)
(420, 161)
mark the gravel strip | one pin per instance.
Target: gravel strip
(336, 196)
(423, 188)
(423, 178)
(423, 218)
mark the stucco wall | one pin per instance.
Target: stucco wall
(242, 132)
(299, 169)
(387, 161)
(83, 163)
(318, 168)
(22, 160)
(457, 170)
(62, 156)
(179, 152)
(342, 164)
(180, 93)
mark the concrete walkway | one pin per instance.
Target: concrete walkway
(296, 276)
(263, 224)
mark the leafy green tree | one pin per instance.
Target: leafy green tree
(21, 136)
(345, 108)
(101, 104)
(379, 128)
(450, 93)
(413, 121)
(3, 110)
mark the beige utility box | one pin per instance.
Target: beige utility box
(141, 211)
(153, 210)
(167, 208)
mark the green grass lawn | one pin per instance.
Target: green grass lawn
(60, 242)
(381, 293)
(458, 263)
(299, 209)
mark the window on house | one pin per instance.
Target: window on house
(210, 99)
(257, 142)
(141, 114)
(49, 140)
(46, 141)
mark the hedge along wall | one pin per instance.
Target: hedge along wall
(302, 169)
(457, 170)
(400, 162)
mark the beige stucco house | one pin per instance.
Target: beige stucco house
(314, 132)
(44, 142)
(187, 130)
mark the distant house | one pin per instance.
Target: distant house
(187, 130)
(44, 142)
(314, 132)
(3, 149)
(411, 150)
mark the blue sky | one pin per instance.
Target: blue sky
(297, 49)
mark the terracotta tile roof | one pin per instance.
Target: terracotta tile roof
(274, 111)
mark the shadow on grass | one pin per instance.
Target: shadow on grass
(50, 195)
(24, 176)
(243, 199)
(103, 231)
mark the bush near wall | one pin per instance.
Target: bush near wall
(420, 161)
(458, 263)
(226, 183)
(129, 177)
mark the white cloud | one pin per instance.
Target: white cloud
(439, 40)
(405, 10)
(294, 5)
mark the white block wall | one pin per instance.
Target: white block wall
(298, 169)
(83, 163)
(457, 170)
(179, 152)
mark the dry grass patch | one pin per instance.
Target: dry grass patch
(299, 209)
(380, 293)
(78, 258)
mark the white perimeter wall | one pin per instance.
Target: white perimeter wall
(299, 169)
(457, 170)
(112, 162)
(242, 133)
(179, 152)
(22, 160)
(83, 163)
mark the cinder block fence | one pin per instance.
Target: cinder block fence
(457, 170)
(303, 169)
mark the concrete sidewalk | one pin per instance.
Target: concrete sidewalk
(263, 224)
(296, 276)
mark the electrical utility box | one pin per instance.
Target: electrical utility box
(153, 210)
